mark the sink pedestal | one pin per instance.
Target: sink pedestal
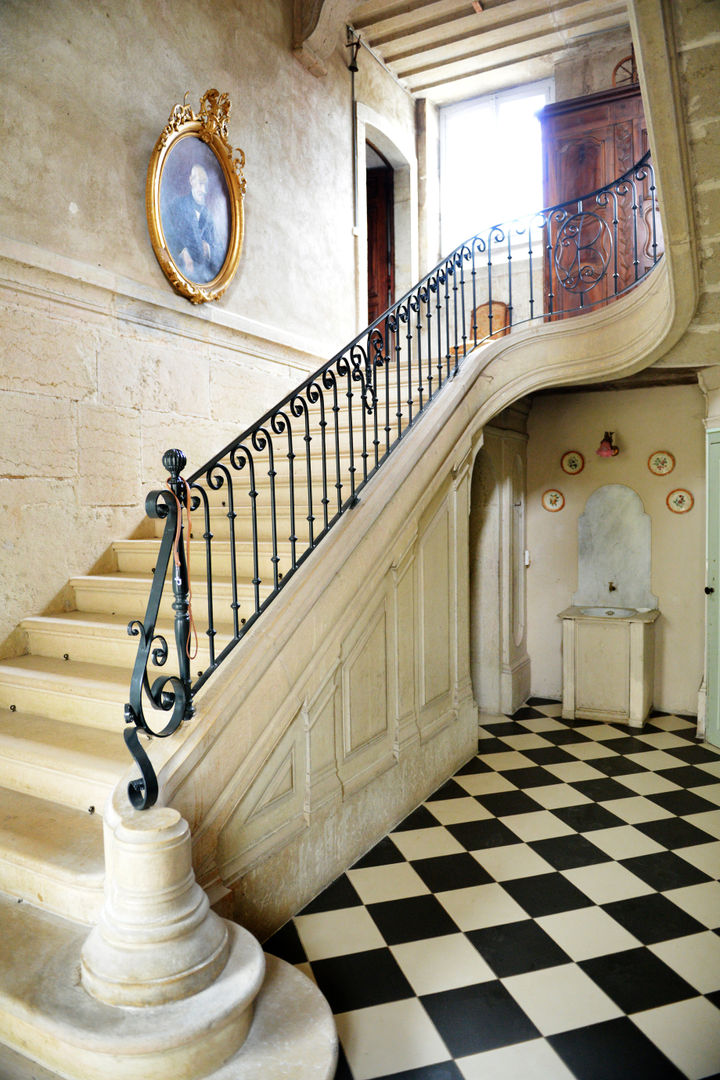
(608, 665)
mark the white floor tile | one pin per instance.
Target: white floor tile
(700, 901)
(481, 905)
(338, 933)
(599, 732)
(653, 759)
(442, 963)
(711, 792)
(561, 998)
(529, 741)
(696, 958)
(587, 932)
(513, 861)
(571, 772)
(607, 882)
(543, 723)
(450, 811)
(636, 809)
(551, 796)
(505, 761)
(708, 821)
(623, 842)
(673, 723)
(646, 783)
(389, 1038)
(374, 884)
(688, 1032)
(586, 751)
(485, 783)
(426, 843)
(535, 1059)
(712, 767)
(662, 740)
(705, 857)
(536, 825)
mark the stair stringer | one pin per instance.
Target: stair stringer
(367, 621)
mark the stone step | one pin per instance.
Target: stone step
(51, 856)
(69, 764)
(127, 595)
(139, 557)
(71, 691)
(101, 638)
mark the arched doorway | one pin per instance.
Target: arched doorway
(380, 232)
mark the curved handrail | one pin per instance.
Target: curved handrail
(270, 496)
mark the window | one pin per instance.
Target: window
(491, 160)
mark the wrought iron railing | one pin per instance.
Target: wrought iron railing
(268, 498)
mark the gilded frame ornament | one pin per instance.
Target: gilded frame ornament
(194, 199)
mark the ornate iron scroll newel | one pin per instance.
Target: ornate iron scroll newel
(167, 693)
(272, 494)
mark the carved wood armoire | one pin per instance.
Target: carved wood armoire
(589, 142)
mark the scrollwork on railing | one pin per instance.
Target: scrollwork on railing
(274, 492)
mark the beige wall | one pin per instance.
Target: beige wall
(660, 418)
(102, 366)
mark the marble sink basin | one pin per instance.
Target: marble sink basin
(609, 612)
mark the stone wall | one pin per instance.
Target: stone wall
(102, 366)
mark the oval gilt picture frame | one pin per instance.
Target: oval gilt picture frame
(194, 199)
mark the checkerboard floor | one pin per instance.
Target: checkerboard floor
(553, 911)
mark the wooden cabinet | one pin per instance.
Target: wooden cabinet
(587, 143)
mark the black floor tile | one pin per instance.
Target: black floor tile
(694, 755)
(506, 727)
(688, 776)
(565, 852)
(384, 853)
(286, 944)
(418, 819)
(444, 872)
(674, 833)
(533, 701)
(445, 1070)
(548, 755)
(527, 712)
(411, 919)
(517, 947)
(714, 998)
(682, 802)
(546, 894)
(602, 790)
(508, 802)
(340, 894)
(449, 790)
(653, 918)
(477, 1018)
(490, 746)
(664, 870)
(563, 736)
(475, 835)
(627, 744)
(473, 766)
(530, 776)
(342, 1071)
(613, 1050)
(636, 979)
(616, 766)
(360, 980)
(585, 817)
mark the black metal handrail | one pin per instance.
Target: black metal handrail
(271, 495)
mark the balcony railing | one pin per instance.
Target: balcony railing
(263, 504)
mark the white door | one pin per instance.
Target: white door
(712, 589)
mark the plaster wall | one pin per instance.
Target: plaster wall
(102, 366)
(658, 418)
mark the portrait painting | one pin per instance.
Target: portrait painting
(194, 199)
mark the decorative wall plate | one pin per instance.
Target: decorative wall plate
(661, 462)
(553, 500)
(680, 501)
(572, 462)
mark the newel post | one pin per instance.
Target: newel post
(175, 461)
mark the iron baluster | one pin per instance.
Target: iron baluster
(510, 292)
(218, 475)
(299, 409)
(207, 537)
(329, 381)
(315, 397)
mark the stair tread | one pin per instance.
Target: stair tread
(75, 749)
(42, 834)
(103, 680)
(109, 623)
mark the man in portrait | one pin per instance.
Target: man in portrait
(190, 231)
